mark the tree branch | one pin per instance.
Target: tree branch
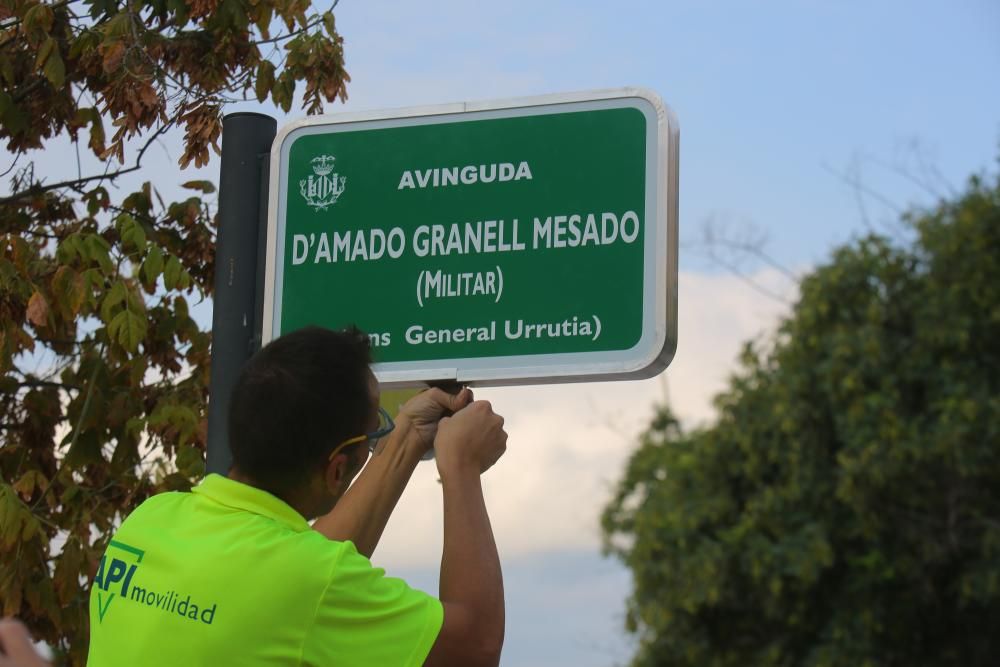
(750, 249)
(30, 88)
(48, 383)
(83, 412)
(854, 182)
(12, 164)
(280, 38)
(732, 268)
(38, 188)
(714, 236)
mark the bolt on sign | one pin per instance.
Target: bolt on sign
(513, 242)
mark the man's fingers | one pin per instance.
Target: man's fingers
(15, 643)
(450, 402)
(458, 401)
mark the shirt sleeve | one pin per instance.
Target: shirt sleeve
(365, 618)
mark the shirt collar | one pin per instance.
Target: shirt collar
(241, 496)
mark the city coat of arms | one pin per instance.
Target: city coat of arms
(322, 188)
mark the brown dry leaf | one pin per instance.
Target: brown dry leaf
(200, 8)
(113, 55)
(38, 310)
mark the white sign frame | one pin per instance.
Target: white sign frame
(658, 342)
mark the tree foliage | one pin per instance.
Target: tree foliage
(103, 371)
(844, 508)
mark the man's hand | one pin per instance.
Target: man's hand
(472, 440)
(16, 649)
(361, 514)
(425, 410)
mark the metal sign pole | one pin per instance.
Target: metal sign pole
(246, 143)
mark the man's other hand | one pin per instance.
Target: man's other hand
(425, 410)
(473, 439)
(16, 649)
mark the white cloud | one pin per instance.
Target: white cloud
(568, 443)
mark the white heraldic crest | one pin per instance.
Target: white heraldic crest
(322, 188)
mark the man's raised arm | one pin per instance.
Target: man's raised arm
(471, 589)
(362, 513)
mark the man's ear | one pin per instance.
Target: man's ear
(338, 473)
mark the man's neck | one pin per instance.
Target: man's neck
(296, 504)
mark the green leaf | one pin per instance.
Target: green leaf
(134, 426)
(68, 570)
(283, 91)
(14, 119)
(70, 493)
(98, 250)
(126, 454)
(265, 13)
(93, 280)
(117, 28)
(38, 19)
(134, 302)
(97, 199)
(204, 186)
(67, 286)
(29, 481)
(128, 329)
(265, 80)
(172, 272)
(73, 291)
(190, 461)
(152, 266)
(160, 414)
(175, 481)
(122, 222)
(132, 232)
(55, 70)
(31, 528)
(330, 24)
(69, 249)
(44, 51)
(115, 296)
(12, 512)
(86, 450)
(7, 70)
(86, 41)
(234, 11)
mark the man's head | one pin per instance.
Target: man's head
(294, 402)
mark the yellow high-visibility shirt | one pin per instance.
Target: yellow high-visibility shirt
(229, 574)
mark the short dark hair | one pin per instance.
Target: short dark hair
(295, 400)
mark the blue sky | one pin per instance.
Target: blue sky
(778, 102)
(770, 95)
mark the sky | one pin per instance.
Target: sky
(803, 124)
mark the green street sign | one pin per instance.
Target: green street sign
(513, 242)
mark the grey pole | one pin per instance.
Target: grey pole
(236, 316)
